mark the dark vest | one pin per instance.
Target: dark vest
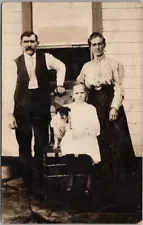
(42, 74)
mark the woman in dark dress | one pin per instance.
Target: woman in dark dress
(103, 77)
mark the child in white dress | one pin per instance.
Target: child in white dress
(81, 138)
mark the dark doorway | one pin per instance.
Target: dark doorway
(74, 58)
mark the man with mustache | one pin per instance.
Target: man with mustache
(31, 101)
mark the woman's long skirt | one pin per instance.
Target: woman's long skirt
(117, 154)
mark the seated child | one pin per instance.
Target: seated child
(80, 139)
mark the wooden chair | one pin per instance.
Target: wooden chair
(52, 162)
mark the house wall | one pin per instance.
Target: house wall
(11, 31)
(123, 30)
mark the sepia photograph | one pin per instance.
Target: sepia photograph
(72, 105)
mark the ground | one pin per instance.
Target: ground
(106, 204)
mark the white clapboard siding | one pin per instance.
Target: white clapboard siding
(124, 37)
(121, 5)
(137, 139)
(124, 48)
(11, 39)
(128, 60)
(138, 150)
(135, 128)
(123, 30)
(124, 14)
(134, 106)
(10, 7)
(133, 71)
(134, 117)
(12, 17)
(134, 82)
(123, 25)
(14, 28)
(133, 94)
(11, 31)
(12, 49)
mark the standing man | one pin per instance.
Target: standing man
(103, 77)
(31, 101)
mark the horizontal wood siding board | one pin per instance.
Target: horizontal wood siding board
(137, 139)
(124, 48)
(134, 117)
(133, 71)
(135, 128)
(138, 149)
(134, 82)
(121, 5)
(11, 17)
(133, 105)
(11, 28)
(134, 94)
(123, 25)
(128, 60)
(11, 7)
(122, 14)
(124, 36)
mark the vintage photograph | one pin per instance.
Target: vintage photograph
(72, 112)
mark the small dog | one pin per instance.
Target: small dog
(59, 123)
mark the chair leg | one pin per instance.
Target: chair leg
(88, 184)
(70, 183)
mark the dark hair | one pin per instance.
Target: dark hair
(94, 35)
(28, 34)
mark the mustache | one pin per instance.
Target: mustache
(29, 48)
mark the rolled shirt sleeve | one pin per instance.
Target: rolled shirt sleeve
(56, 64)
(118, 75)
(85, 71)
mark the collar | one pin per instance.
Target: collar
(98, 59)
(29, 57)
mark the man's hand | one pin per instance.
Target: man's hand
(12, 122)
(60, 90)
(113, 115)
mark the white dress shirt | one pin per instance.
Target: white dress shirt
(104, 71)
(30, 62)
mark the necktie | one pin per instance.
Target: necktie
(32, 75)
(31, 68)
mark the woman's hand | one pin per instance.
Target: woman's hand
(113, 115)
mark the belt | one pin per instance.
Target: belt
(99, 87)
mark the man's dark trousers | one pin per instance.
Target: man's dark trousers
(32, 117)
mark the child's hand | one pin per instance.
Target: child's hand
(59, 133)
